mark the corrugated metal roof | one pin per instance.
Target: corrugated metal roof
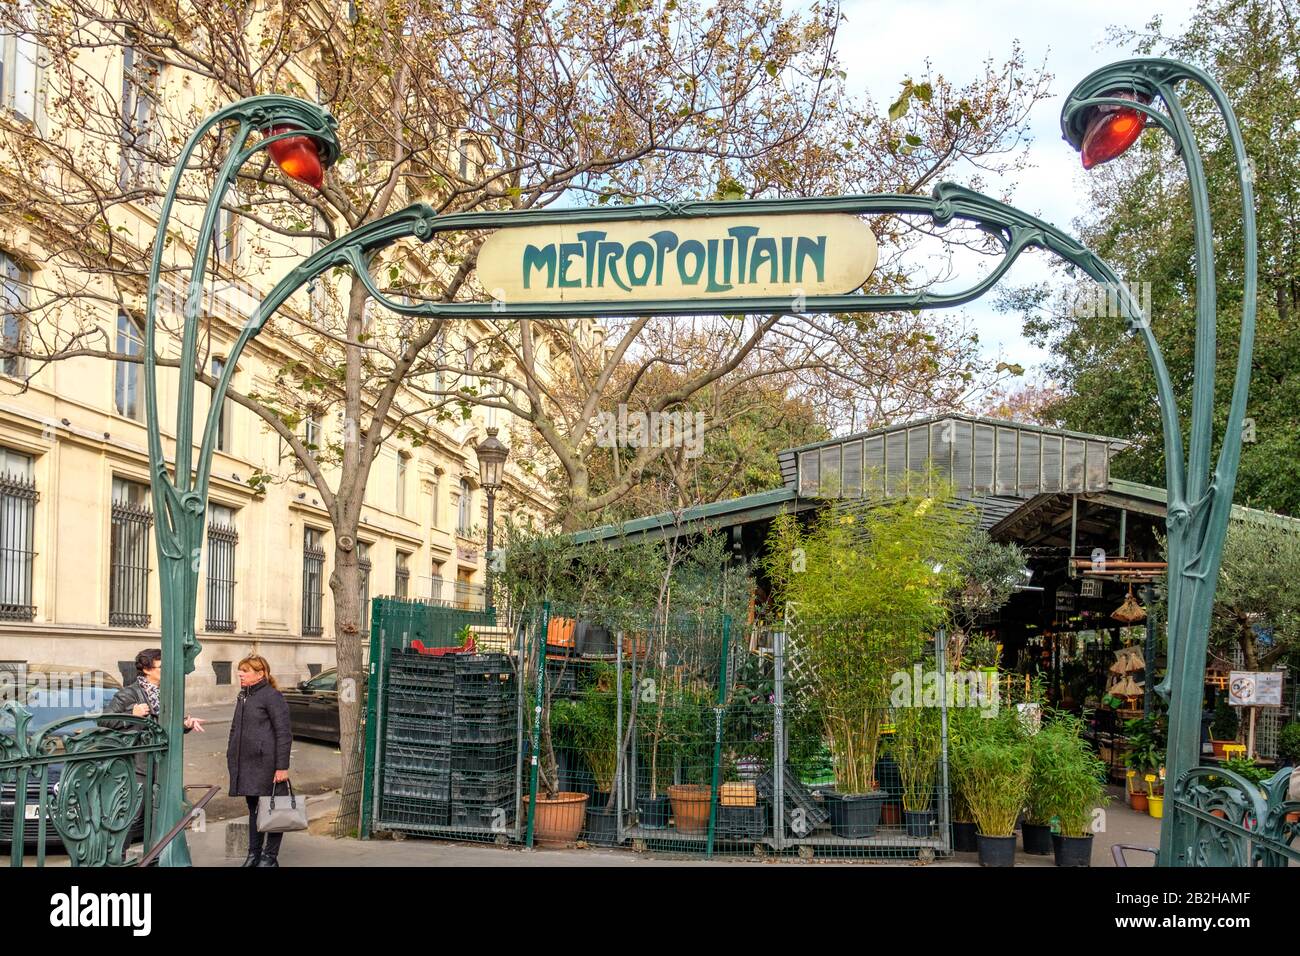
(720, 514)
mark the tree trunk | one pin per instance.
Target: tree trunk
(345, 586)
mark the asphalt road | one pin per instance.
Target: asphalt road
(313, 767)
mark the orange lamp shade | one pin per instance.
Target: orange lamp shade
(297, 157)
(1111, 130)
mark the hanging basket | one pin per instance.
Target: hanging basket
(1130, 612)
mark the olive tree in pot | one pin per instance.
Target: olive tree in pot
(598, 583)
(863, 586)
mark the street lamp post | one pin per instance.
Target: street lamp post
(492, 455)
(1103, 116)
(300, 138)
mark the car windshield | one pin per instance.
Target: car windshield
(327, 681)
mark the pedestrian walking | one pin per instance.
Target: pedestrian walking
(258, 753)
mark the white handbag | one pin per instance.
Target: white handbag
(281, 814)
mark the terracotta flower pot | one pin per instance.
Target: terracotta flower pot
(559, 819)
(690, 807)
(1138, 801)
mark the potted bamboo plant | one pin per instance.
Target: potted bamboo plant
(867, 588)
(1074, 783)
(917, 746)
(1224, 727)
(1036, 830)
(995, 774)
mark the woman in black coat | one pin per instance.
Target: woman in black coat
(258, 754)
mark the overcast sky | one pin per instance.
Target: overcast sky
(883, 43)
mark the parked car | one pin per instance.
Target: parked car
(314, 707)
(52, 693)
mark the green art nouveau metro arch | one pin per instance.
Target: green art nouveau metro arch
(1199, 497)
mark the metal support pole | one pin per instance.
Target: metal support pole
(717, 729)
(538, 707)
(488, 557)
(941, 662)
(779, 747)
(1149, 651)
(619, 763)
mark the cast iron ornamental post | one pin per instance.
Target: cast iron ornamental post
(180, 497)
(1199, 498)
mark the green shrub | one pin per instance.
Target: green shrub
(1288, 744)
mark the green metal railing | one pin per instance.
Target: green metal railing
(94, 785)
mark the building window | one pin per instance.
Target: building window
(436, 583)
(402, 576)
(128, 587)
(14, 283)
(20, 70)
(126, 375)
(223, 418)
(17, 518)
(221, 568)
(140, 76)
(313, 582)
(363, 572)
(227, 237)
(468, 595)
(463, 520)
(401, 482)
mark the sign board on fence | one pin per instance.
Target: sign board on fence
(801, 254)
(1255, 688)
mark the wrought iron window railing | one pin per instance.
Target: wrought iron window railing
(17, 513)
(221, 577)
(313, 589)
(128, 592)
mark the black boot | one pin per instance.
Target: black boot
(268, 859)
(253, 858)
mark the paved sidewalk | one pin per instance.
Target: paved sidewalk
(225, 843)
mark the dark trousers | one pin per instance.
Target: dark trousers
(255, 839)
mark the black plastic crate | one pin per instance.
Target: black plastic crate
(485, 708)
(469, 666)
(562, 677)
(397, 812)
(407, 785)
(424, 732)
(492, 758)
(424, 760)
(403, 701)
(480, 687)
(420, 665)
(745, 824)
(481, 788)
(498, 818)
(483, 730)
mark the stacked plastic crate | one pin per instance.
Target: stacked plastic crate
(451, 741)
(418, 736)
(484, 742)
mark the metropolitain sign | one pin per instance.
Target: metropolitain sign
(676, 258)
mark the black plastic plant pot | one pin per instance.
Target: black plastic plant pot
(854, 815)
(654, 811)
(920, 823)
(1072, 851)
(997, 850)
(1037, 838)
(963, 837)
(602, 825)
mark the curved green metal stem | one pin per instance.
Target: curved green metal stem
(1199, 502)
(180, 496)
(1199, 499)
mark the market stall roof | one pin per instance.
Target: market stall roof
(981, 457)
(715, 514)
(1045, 520)
(993, 465)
